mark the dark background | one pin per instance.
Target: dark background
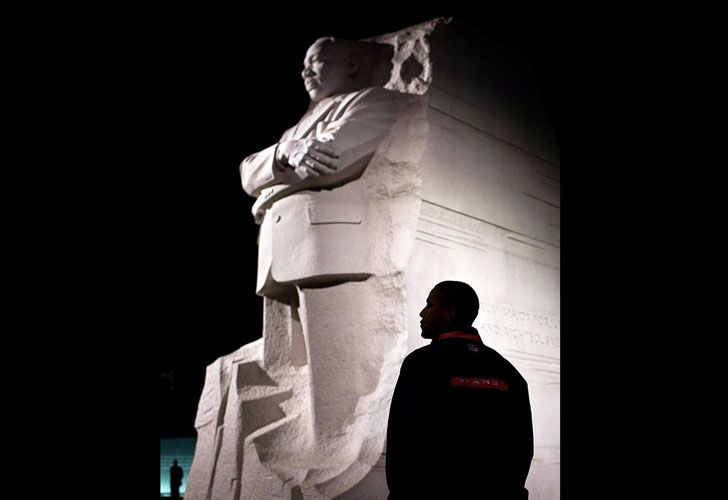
(229, 86)
(108, 294)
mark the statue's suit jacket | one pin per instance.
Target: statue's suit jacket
(314, 229)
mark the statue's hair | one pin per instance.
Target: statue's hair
(358, 48)
(375, 59)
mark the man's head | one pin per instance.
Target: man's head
(330, 67)
(451, 305)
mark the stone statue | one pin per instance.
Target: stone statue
(302, 412)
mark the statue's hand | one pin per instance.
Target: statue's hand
(308, 157)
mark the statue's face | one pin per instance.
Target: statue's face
(325, 70)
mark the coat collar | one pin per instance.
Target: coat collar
(468, 334)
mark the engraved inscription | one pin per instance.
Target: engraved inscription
(519, 334)
(523, 326)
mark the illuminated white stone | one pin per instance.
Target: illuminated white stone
(302, 412)
(490, 217)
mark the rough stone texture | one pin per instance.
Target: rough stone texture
(302, 412)
(411, 66)
(490, 217)
(482, 206)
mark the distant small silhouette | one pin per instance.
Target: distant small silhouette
(175, 478)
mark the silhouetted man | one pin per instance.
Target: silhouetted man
(175, 478)
(460, 420)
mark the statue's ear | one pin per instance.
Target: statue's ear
(353, 64)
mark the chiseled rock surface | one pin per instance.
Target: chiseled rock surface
(258, 435)
(411, 70)
(481, 205)
(490, 216)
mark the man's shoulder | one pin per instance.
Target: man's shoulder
(505, 364)
(421, 354)
(456, 351)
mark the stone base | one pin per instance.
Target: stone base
(372, 487)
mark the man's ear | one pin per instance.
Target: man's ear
(353, 64)
(451, 313)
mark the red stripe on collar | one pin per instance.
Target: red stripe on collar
(459, 335)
